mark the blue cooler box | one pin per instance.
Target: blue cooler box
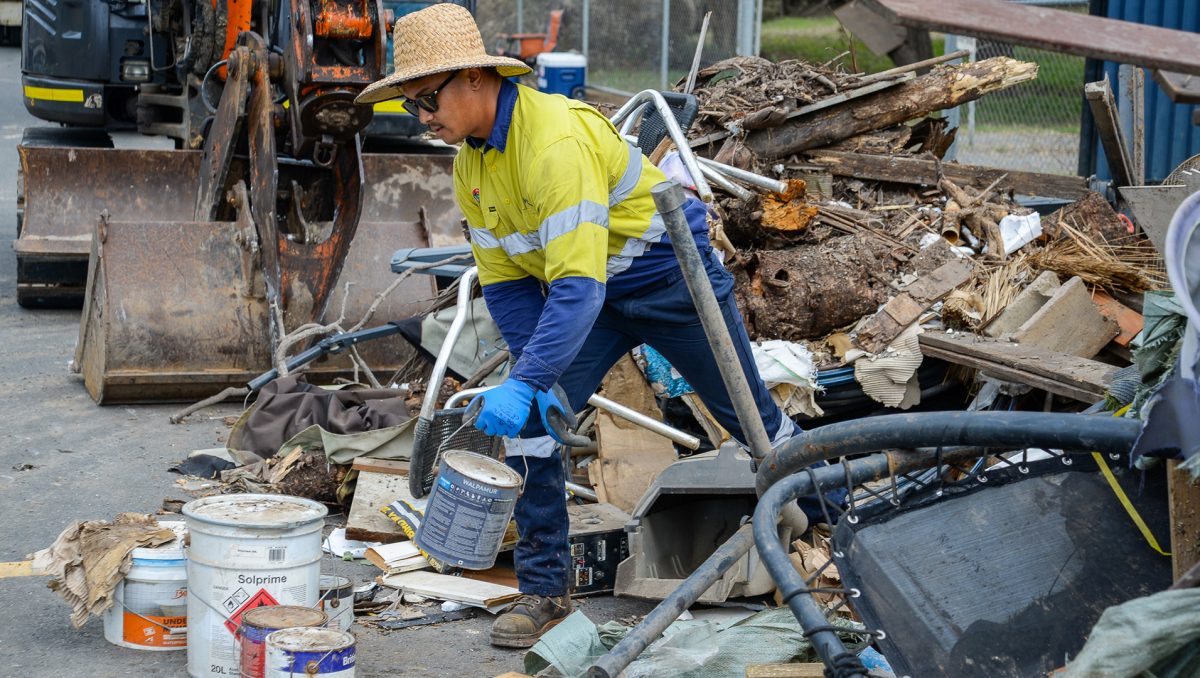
(562, 73)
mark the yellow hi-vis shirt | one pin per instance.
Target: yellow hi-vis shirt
(567, 197)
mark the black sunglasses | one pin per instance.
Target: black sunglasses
(428, 102)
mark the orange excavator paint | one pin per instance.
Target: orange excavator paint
(239, 20)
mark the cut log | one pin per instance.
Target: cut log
(925, 172)
(946, 87)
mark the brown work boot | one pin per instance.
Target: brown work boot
(528, 619)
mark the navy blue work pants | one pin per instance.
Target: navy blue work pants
(665, 318)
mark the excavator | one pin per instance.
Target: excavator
(194, 263)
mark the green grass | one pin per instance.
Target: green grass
(819, 39)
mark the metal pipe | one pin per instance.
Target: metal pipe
(581, 491)
(650, 424)
(628, 114)
(758, 180)
(465, 283)
(628, 414)
(683, 597)
(946, 429)
(723, 183)
(669, 198)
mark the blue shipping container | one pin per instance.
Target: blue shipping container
(1171, 136)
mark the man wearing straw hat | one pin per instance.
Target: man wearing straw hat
(575, 265)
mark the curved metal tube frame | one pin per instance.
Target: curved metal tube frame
(907, 432)
(465, 283)
(993, 429)
(628, 115)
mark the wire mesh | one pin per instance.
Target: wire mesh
(1033, 126)
(625, 47)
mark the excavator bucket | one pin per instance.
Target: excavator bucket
(68, 180)
(175, 309)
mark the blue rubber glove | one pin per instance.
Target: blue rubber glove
(547, 401)
(505, 408)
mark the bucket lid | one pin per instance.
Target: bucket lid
(255, 510)
(310, 640)
(333, 582)
(483, 469)
(172, 550)
(283, 617)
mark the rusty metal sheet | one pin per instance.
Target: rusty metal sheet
(66, 189)
(398, 185)
(1052, 29)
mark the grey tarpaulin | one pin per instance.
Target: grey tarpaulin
(688, 649)
(480, 339)
(1144, 634)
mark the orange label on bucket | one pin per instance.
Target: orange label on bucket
(260, 599)
(152, 631)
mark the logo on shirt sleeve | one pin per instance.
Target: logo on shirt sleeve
(475, 195)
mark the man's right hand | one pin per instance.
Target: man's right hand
(504, 409)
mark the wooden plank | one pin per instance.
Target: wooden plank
(1183, 497)
(1108, 128)
(1059, 373)
(388, 466)
(1128, 320)
(1055, 30)
(372, 492)
(20, 568)
(925, 172)
(903, 309)
(1180, 88)
(1069, 322)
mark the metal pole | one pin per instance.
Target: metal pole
(669, 198)
(673, 605)
(631, 415)
(520, 16)
(666, 44)
(587, 16)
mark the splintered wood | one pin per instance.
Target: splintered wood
(788, 211)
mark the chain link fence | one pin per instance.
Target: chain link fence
(1033, 126)
(625, 41)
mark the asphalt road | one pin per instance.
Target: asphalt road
(91, 462)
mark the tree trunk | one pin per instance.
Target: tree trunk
(946, 87)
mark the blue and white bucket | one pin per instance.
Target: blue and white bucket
(469, 510)
(307, 652)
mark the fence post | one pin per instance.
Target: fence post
(745, 27)
(586, 18)
(520, 16)
(666, 43)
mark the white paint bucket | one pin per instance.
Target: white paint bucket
(149, 610)
(337, 601)
(246, 551)
(296, 653)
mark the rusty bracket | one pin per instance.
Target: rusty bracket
(222, 137)
(246, 237)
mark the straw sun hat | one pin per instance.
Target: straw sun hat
(437, 39)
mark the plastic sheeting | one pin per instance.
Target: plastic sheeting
(688, 649)
(1144, 634)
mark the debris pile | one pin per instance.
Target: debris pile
(856, 249)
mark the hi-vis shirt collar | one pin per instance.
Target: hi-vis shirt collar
(506, 102)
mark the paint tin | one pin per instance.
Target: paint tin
(149, 610)
(469, 510)
(260, 622)
(337, 601)
(292, 653)
(246, 551)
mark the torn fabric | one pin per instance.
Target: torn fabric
(890, 377)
